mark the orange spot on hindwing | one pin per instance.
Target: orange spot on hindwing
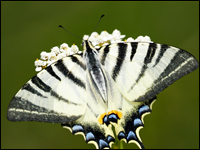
(101, 117)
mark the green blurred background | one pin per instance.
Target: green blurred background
(27, 28)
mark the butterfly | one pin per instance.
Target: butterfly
(94, 91)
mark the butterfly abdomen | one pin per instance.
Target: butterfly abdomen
(96, 74)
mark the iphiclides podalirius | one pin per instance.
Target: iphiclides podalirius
(91, 91)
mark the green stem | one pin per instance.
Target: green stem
(118, 144)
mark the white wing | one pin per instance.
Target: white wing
(55, 94)
(142, 70)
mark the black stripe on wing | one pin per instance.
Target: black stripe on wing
(122, 49)
(51, 72)
(179, 58)
(44, 87)
(163, 49)
(133, 50)
(148, 58)
(75, 60)
(150, 53)
(181, 64)
(23, 110)
(105, 52)
(29, 88)
(67, 73)
(40, 84)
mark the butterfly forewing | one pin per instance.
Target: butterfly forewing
(52, 95)
(142, 70)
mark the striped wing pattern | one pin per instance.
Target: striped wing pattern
(89, 100)
(53, 95)
(142, 70)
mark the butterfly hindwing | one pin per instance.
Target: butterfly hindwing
(128, 127)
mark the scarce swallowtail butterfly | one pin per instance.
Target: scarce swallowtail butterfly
(109, 85)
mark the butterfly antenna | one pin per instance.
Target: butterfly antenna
(69, 32)
(78, 36)
(98, 22)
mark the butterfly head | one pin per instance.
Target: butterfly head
(88, 48)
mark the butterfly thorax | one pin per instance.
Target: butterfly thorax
(95, 71)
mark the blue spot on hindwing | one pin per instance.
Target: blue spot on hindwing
(144, 109)
(137, 122)
(121, 135)
(110, 118)
(90, 137)
(77, 128)
(113, 118)
(131, 136)
(103, 144)
(105, 120)
(110, 139)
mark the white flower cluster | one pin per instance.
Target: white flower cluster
(105, 38)
(145, 39)
(55, 54)
(97, 41)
